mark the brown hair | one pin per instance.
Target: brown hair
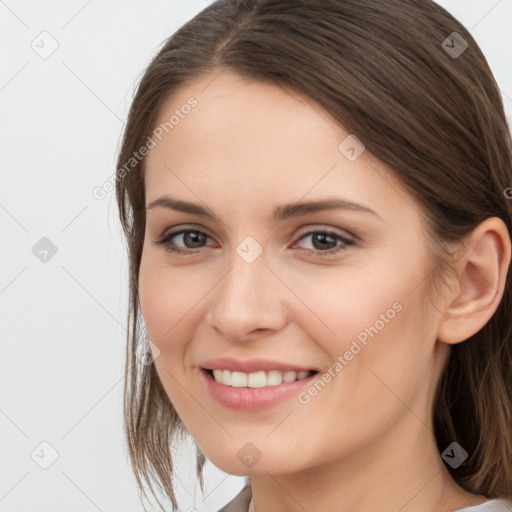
(381, 69)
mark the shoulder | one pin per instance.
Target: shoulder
(240, 503)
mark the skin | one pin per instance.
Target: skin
(246, 148)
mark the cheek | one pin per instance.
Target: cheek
(345, 301)
(369, 317)
(164, 300)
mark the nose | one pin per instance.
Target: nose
(249, 301)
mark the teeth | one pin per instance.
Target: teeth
(274, 378)
(238, 379)
(289, 376)
(257, 379)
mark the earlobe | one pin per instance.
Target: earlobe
(481, 282)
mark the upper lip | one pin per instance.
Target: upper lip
(251, 365)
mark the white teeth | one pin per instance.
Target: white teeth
(257, 379)
(274, 378)
(238, 379)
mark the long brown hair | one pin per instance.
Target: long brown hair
(393, 73)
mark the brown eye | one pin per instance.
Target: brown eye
(325, 242)
(187, 238)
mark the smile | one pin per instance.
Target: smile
(254, 391)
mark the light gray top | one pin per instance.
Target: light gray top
(495, 505)
(240, 503)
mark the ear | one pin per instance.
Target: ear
(483, 270)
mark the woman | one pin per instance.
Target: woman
(314, 195)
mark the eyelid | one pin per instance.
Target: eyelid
(322, 228)
(175, 230)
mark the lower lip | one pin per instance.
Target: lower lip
(252, 399)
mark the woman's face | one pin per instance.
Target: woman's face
(270, 281)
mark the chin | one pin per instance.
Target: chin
(248, 462)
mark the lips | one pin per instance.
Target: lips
(250, 390)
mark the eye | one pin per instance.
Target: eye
(324, 242)
(191, 238)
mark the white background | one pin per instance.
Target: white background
(63, 322)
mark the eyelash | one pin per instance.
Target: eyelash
(166, 239)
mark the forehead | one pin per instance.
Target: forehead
(249, 140)
(237, 115)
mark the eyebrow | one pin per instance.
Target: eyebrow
(282, 212)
